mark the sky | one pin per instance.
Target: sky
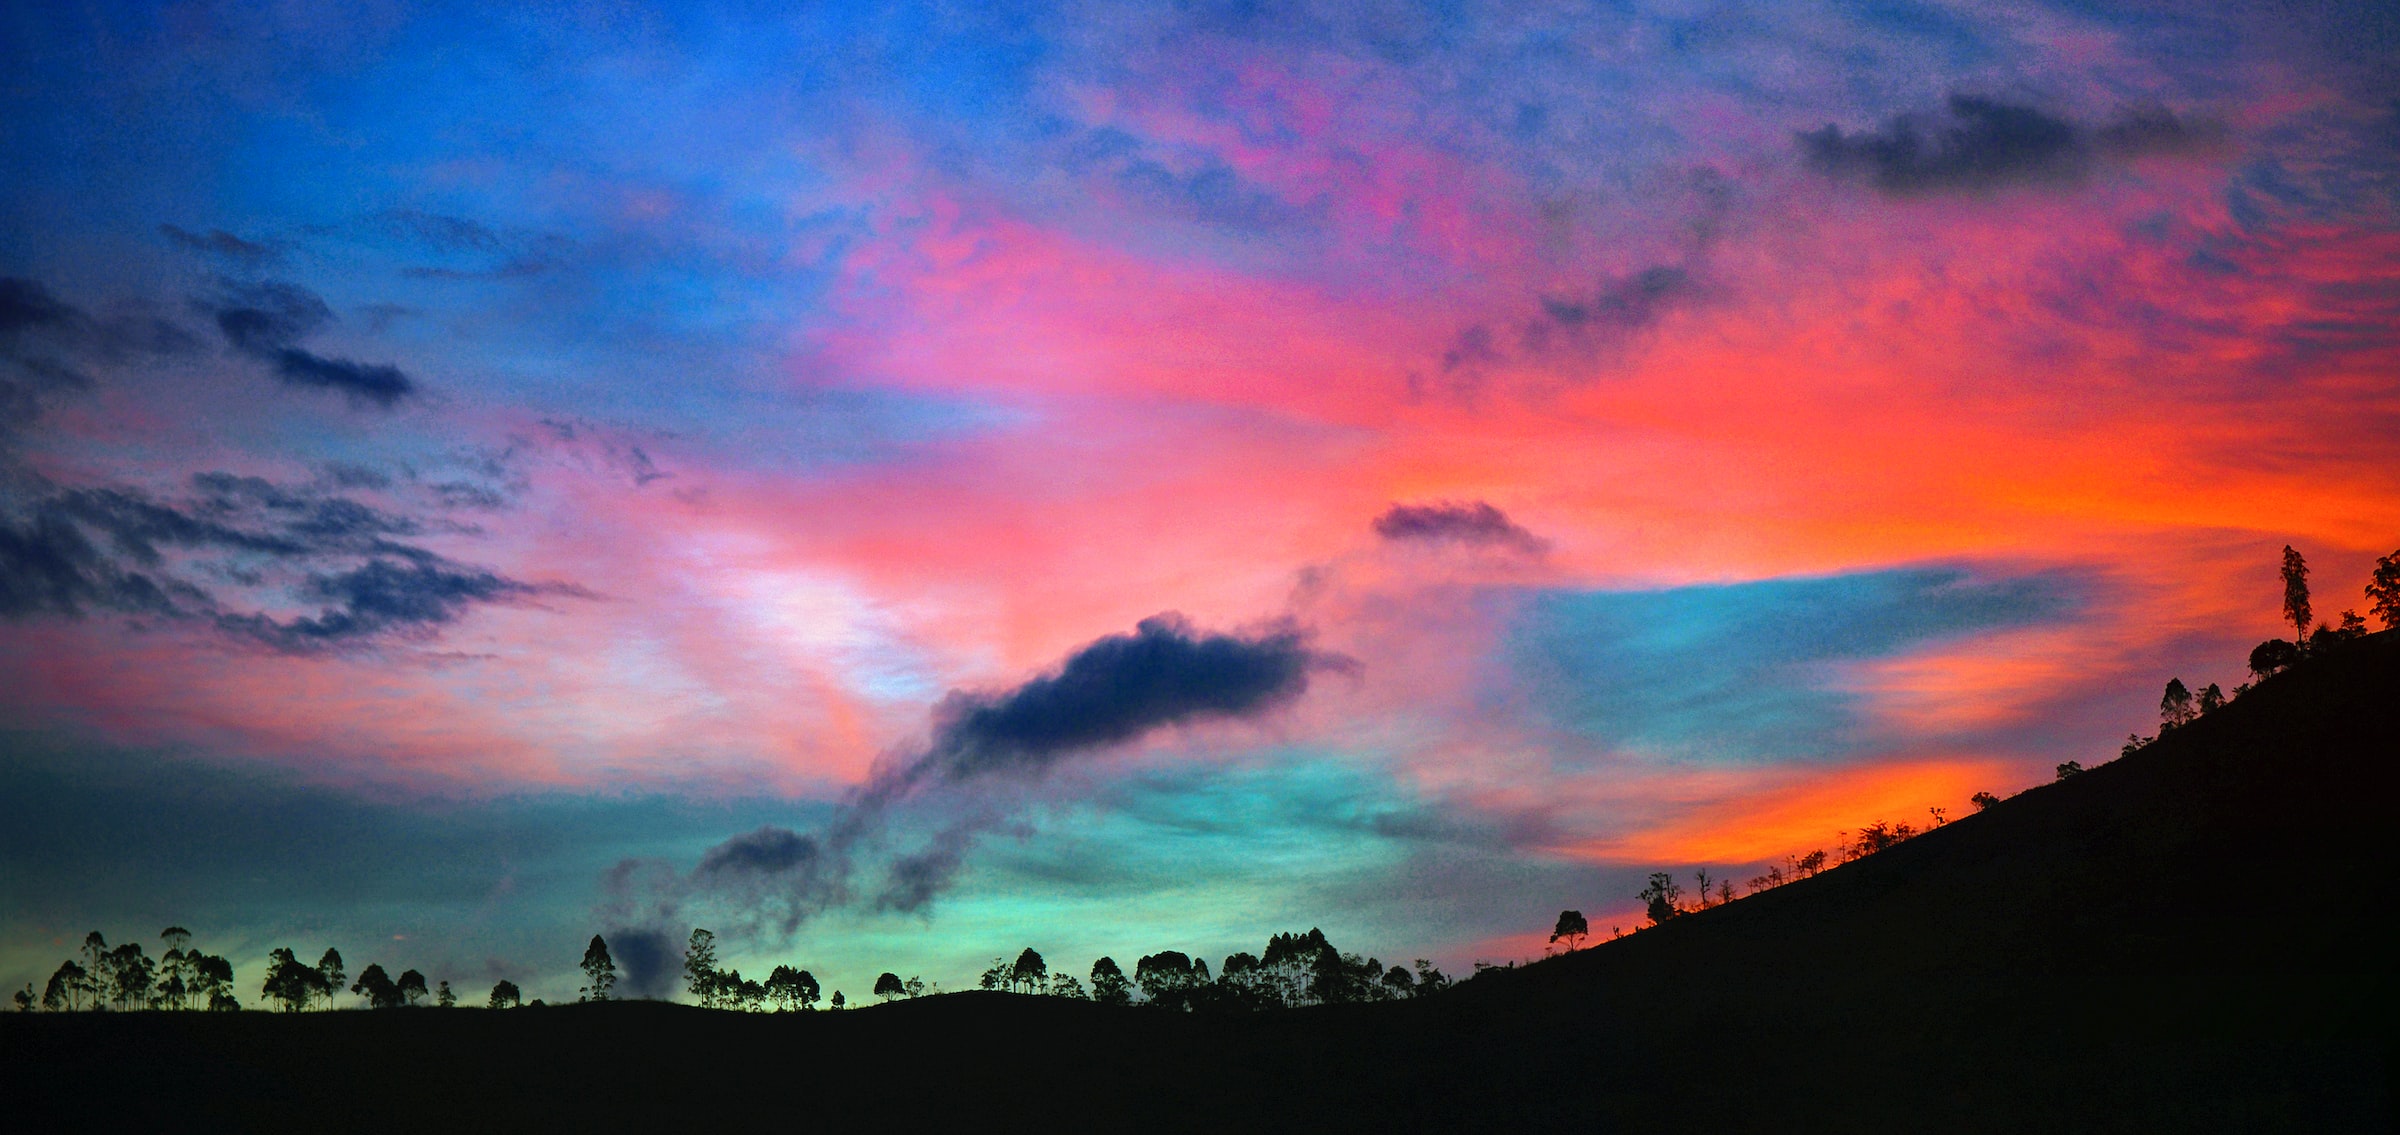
(895, 484)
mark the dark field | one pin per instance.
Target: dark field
(2197, 937)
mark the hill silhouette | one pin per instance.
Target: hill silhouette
(2195, 937)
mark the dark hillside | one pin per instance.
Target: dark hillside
(2196, 937)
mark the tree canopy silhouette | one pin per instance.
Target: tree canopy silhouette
(599, 971)
(2383, 591)
(1660, 897)
(1571, 928)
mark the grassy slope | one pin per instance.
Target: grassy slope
(2197, 937)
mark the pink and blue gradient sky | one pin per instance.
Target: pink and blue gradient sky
(460, 470)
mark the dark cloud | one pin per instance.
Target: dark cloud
(648, 961)
(1985, 144)
(1111, 692)
(266, 320)
(1474, 523)
(769, 849)
(219, 243)
(263, 317)
(1618, 307)
(1115, 690)
(27, 304)
(232, 551)
(913, 881)
(380, 384)
(382, 597)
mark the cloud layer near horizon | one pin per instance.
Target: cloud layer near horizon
(1697, 429)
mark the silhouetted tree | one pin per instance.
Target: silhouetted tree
(2069, 769)
(2272, 657)
(2383, 591)
(914, 986)
(443, 998)
(1430, 978)
(1109, 986)
(213, 980)
(2175, 706)
(23, 998)
(289, 981)
(2212, 699)
(411, 987)
(174, 989)
(95, 956)
(1876, 837)
(837, 1001)
(65, 990)
(377, 987)
(1061, 985)
(599, 971)
(1660, 898)
(1401, 982)
(2295, 592)
(128, 975)
(700, 967)
(504, 995)
(1983, 801)
(1166, 979)
(1571, 927)
(329, 974)
(1028, 972)
(888, 986)
(749, 996)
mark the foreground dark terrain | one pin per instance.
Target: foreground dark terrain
(2196, 937)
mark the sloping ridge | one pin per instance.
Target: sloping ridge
(2197, 936)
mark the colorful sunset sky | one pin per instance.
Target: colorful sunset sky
(895, 484)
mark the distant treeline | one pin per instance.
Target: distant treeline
(125, 978)
(1294, 971)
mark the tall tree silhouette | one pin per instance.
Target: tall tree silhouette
(23, 998)
(888, 986)
(700, 967)
(504, 995)
(1571, 928)
(443, 998)
(599, 971)
(329, 974)
(2295, 593)
(411, 987)
(2383, 591)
